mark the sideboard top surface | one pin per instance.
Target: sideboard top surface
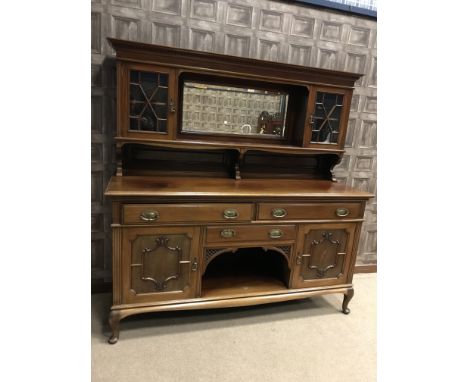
(129, 186)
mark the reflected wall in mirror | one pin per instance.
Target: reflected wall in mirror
(219, 109)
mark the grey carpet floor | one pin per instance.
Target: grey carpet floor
(302, 340)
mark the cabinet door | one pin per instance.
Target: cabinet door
(325, 252)
(146, 96)
(159, 264)
(327, 121)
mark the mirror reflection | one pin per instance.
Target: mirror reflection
(218, 109)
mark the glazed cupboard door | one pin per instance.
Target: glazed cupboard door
(159, 264)
(147, 102)
(327, 121)
(324, 254)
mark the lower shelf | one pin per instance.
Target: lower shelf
(238, 285)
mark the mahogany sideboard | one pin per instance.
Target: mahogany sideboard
(224, 194)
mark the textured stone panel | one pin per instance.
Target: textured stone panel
(359, 36)
(368, 136)
(327, 59)
(361, 183)
(110, 116)
(96, 153)
(331, 31)
(97, 253)
(202, 40)
(371, 105)
(165, 34)
(350, 133)
(96, 187)
(271, 21)
(167, 6)
(299, 55)
(355, 63)
(204, 9)
(302, 26)
(368, 259)
(239, 15)
(127, 3)
(97, 223)
(268, 50)
(125, 28)
(342, 179)
(355, 102)
(96, 114)
(364, 163)
(371, 241)
(237, 45)
(95, 32)
(370, 215)
(373, 73)
(96, 76)
(344, 164)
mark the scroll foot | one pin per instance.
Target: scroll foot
(114, 321)
(347, 298)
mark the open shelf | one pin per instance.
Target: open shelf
(145, 160)
(245, 271)
(240, 285)
(238, 146)
(151, 160)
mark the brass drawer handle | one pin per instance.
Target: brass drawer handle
(231, 213)
(149, 216)
(278, 212)
(342, 212)
(228, 233)
(276, 233)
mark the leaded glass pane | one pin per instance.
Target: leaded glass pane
(326, 118)
(148, 101)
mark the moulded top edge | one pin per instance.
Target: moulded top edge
(126, 49)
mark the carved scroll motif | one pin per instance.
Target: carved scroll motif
(320, 270)
(160, 242)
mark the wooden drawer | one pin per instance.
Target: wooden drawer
(224, 234)
(308, 211)
(169, 213)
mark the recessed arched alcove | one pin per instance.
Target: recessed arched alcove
(244, 270)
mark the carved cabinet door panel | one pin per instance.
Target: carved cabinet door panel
(324, 254)
(159, 264)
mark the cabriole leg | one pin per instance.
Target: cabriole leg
(114, 322)
(347, 298)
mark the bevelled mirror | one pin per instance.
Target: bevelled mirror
(232, 110)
